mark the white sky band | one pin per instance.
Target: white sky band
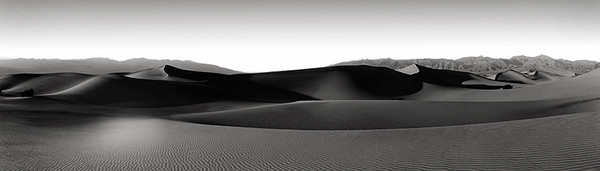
(281, 35)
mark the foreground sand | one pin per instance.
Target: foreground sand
(334, 118)
(34, 142)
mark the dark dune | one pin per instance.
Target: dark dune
(239, 86)
(342, 82)
(244, 88)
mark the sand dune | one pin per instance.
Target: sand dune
(342, 82)
(238, 86)
(41, 83)
(531, 77)
(169, 86)
(583, 85)
(547, 76)
(516, 77)
(118, 90)
(351, 115)
(452, 78)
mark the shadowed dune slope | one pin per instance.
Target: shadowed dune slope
(242, 86)
(342, 82)
(352, 115)
(452, 78)
(41, 83)
(9, 81)
(121, 91)
(170, 73)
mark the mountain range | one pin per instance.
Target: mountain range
(483, 64)
(99, 65)
(479, 65)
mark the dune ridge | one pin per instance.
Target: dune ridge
(357, 115)
(171, 73)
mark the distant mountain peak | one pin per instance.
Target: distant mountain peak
(543, 56)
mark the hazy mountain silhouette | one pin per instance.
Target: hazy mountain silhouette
(99, 65)
(486, 64)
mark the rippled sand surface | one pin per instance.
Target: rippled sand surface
(76, 142)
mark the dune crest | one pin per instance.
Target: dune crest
(171, 73)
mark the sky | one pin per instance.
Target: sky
(260, 35)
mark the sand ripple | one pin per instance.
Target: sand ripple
(566, 142)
